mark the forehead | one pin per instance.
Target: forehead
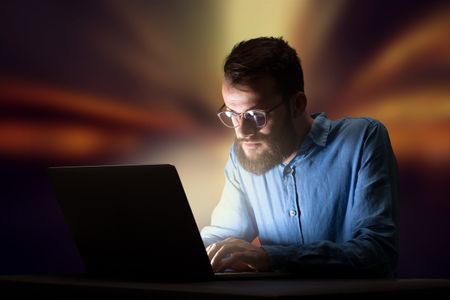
(259, 93)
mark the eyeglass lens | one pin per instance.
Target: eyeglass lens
(232, 119)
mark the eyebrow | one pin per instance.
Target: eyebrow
(251, 108)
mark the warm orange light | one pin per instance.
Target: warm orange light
(114, 111)
(92, 126)
(60, 141)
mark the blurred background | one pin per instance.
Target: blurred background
(133, 82)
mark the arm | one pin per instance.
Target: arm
(372, 247)
(233, 216)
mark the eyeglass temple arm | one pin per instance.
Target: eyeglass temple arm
(221, 108)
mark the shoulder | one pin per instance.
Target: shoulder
(356, 124)
(353, 134)
(357, 127)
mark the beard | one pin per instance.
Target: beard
(280, 144)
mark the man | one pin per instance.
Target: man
(320, 195)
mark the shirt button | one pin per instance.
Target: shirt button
(292, 213)
(288, 171)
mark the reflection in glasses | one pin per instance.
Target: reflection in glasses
(233, 119)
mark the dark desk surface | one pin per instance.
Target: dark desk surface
(238, 289)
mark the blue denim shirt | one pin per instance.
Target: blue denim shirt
(334, 207)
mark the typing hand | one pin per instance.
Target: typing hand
(238, 255)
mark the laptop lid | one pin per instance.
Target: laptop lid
(131, 222)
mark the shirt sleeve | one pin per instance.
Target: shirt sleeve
(232, 217)
(372, 249)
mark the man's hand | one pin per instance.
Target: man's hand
(238, 255)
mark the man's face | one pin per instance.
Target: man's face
(260, 149)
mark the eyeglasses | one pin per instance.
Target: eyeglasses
(232, 119)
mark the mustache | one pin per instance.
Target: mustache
(256, 139)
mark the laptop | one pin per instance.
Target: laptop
(133, 222)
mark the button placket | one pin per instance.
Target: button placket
(292, 212)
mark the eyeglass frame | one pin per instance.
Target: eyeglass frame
(242, 114)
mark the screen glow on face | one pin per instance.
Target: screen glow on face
(232, 119)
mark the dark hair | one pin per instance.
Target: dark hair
(265, 56)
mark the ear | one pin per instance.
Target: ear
(298, 104)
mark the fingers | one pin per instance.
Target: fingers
(243, 261)
(236, 261)
(212, 249)
(221, 253)
(236, 254)
(224, 250)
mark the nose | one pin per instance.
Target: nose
(246, 128)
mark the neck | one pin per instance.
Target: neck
(302, 127)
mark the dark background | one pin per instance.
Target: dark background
(101, 82)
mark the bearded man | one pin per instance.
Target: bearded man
(320, 196)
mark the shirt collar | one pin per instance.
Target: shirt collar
(320, 129)
(318, 134)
